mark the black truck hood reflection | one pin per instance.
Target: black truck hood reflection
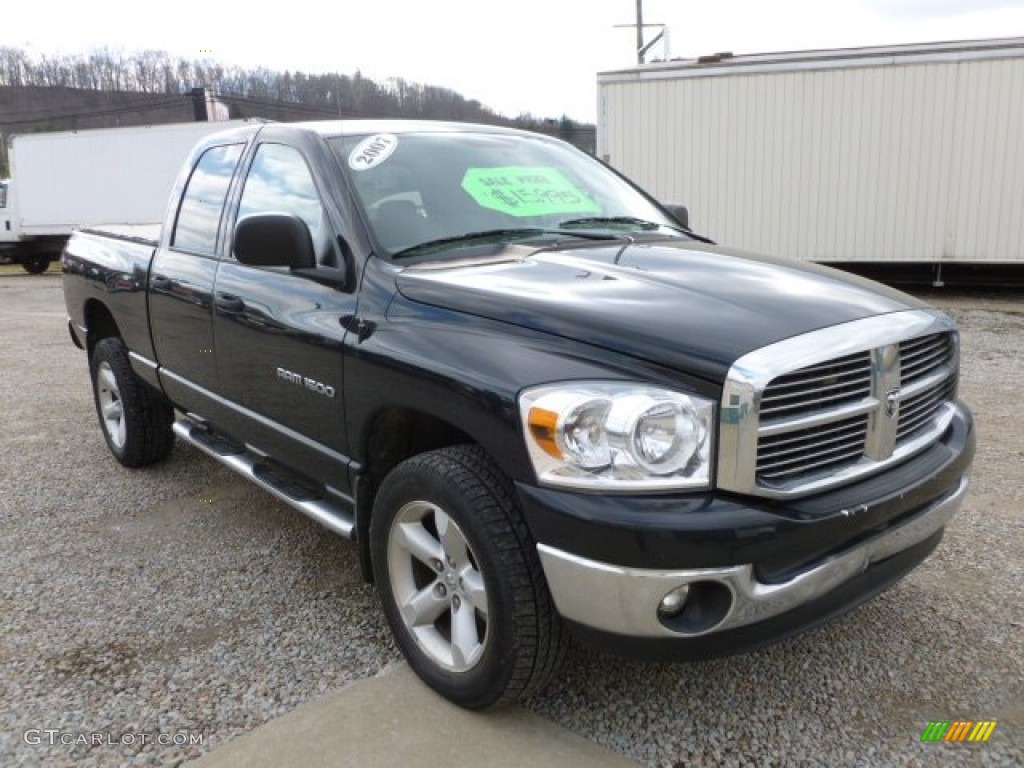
(685, 305)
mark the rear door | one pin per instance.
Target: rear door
(181, 281)
(279, 337)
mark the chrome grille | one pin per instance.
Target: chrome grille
(790, 451)
(816, 411)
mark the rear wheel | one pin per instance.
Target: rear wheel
(36, 263)
(136, 422)
(460, 579)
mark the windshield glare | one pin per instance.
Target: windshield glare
(421, 187)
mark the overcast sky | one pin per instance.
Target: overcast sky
(538, 56)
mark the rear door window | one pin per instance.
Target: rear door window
(203, 201)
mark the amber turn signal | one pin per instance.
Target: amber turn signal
(542, 427)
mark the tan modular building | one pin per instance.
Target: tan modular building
(910, 153)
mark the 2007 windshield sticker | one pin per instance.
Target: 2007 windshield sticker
(526, 191)
(372, 151)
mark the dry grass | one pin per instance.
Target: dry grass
(17, 269)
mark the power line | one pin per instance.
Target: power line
(143, 98)
(311, 108)
(641, 47)
(576, 132)
(107, 112)
(285, 105)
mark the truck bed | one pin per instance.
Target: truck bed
(108, 266)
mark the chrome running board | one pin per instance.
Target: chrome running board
(330, 514)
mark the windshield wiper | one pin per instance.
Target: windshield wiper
(642, 224)
(598, 220)
(498, 234)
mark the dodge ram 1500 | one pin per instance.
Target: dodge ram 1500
(537, 401)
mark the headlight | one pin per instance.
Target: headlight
(616, 436)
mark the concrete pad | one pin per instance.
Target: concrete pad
(395, 720)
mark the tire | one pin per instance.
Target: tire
(36, 263)
(461, 582)
(135, 421)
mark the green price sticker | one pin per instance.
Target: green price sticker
(521, 190)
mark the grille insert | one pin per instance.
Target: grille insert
(845, 380)
(923, 356)
(792, 453)
(918, 411)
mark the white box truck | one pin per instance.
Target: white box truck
(61, 181)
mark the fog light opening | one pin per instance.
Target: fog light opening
(696, 608)
(673, 603)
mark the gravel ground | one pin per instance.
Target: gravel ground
(181, 600)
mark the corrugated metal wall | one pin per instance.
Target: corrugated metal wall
(904, 162)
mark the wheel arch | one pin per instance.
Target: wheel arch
(99, 324)
(392, 435)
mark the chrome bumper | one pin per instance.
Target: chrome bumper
(625, 601)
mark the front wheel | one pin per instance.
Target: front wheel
(460, 580)
(136, 422)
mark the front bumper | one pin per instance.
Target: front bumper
(757, 570)
(625, 601)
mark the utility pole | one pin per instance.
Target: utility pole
(641, 47)
(639, 31)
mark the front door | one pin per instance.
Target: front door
(279, 336)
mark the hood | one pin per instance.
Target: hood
(693, 307)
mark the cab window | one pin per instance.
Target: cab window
(203, 200)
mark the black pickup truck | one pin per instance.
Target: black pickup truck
(532, 395)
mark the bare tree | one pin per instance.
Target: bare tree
(106, 78)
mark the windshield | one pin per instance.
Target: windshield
(422, 188)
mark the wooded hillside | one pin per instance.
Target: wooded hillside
(106, 89)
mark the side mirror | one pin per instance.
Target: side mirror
(274, 240)
(679, 213)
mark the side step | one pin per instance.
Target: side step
(329, 514)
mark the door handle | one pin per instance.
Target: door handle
(228, 303)
(161, 282)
